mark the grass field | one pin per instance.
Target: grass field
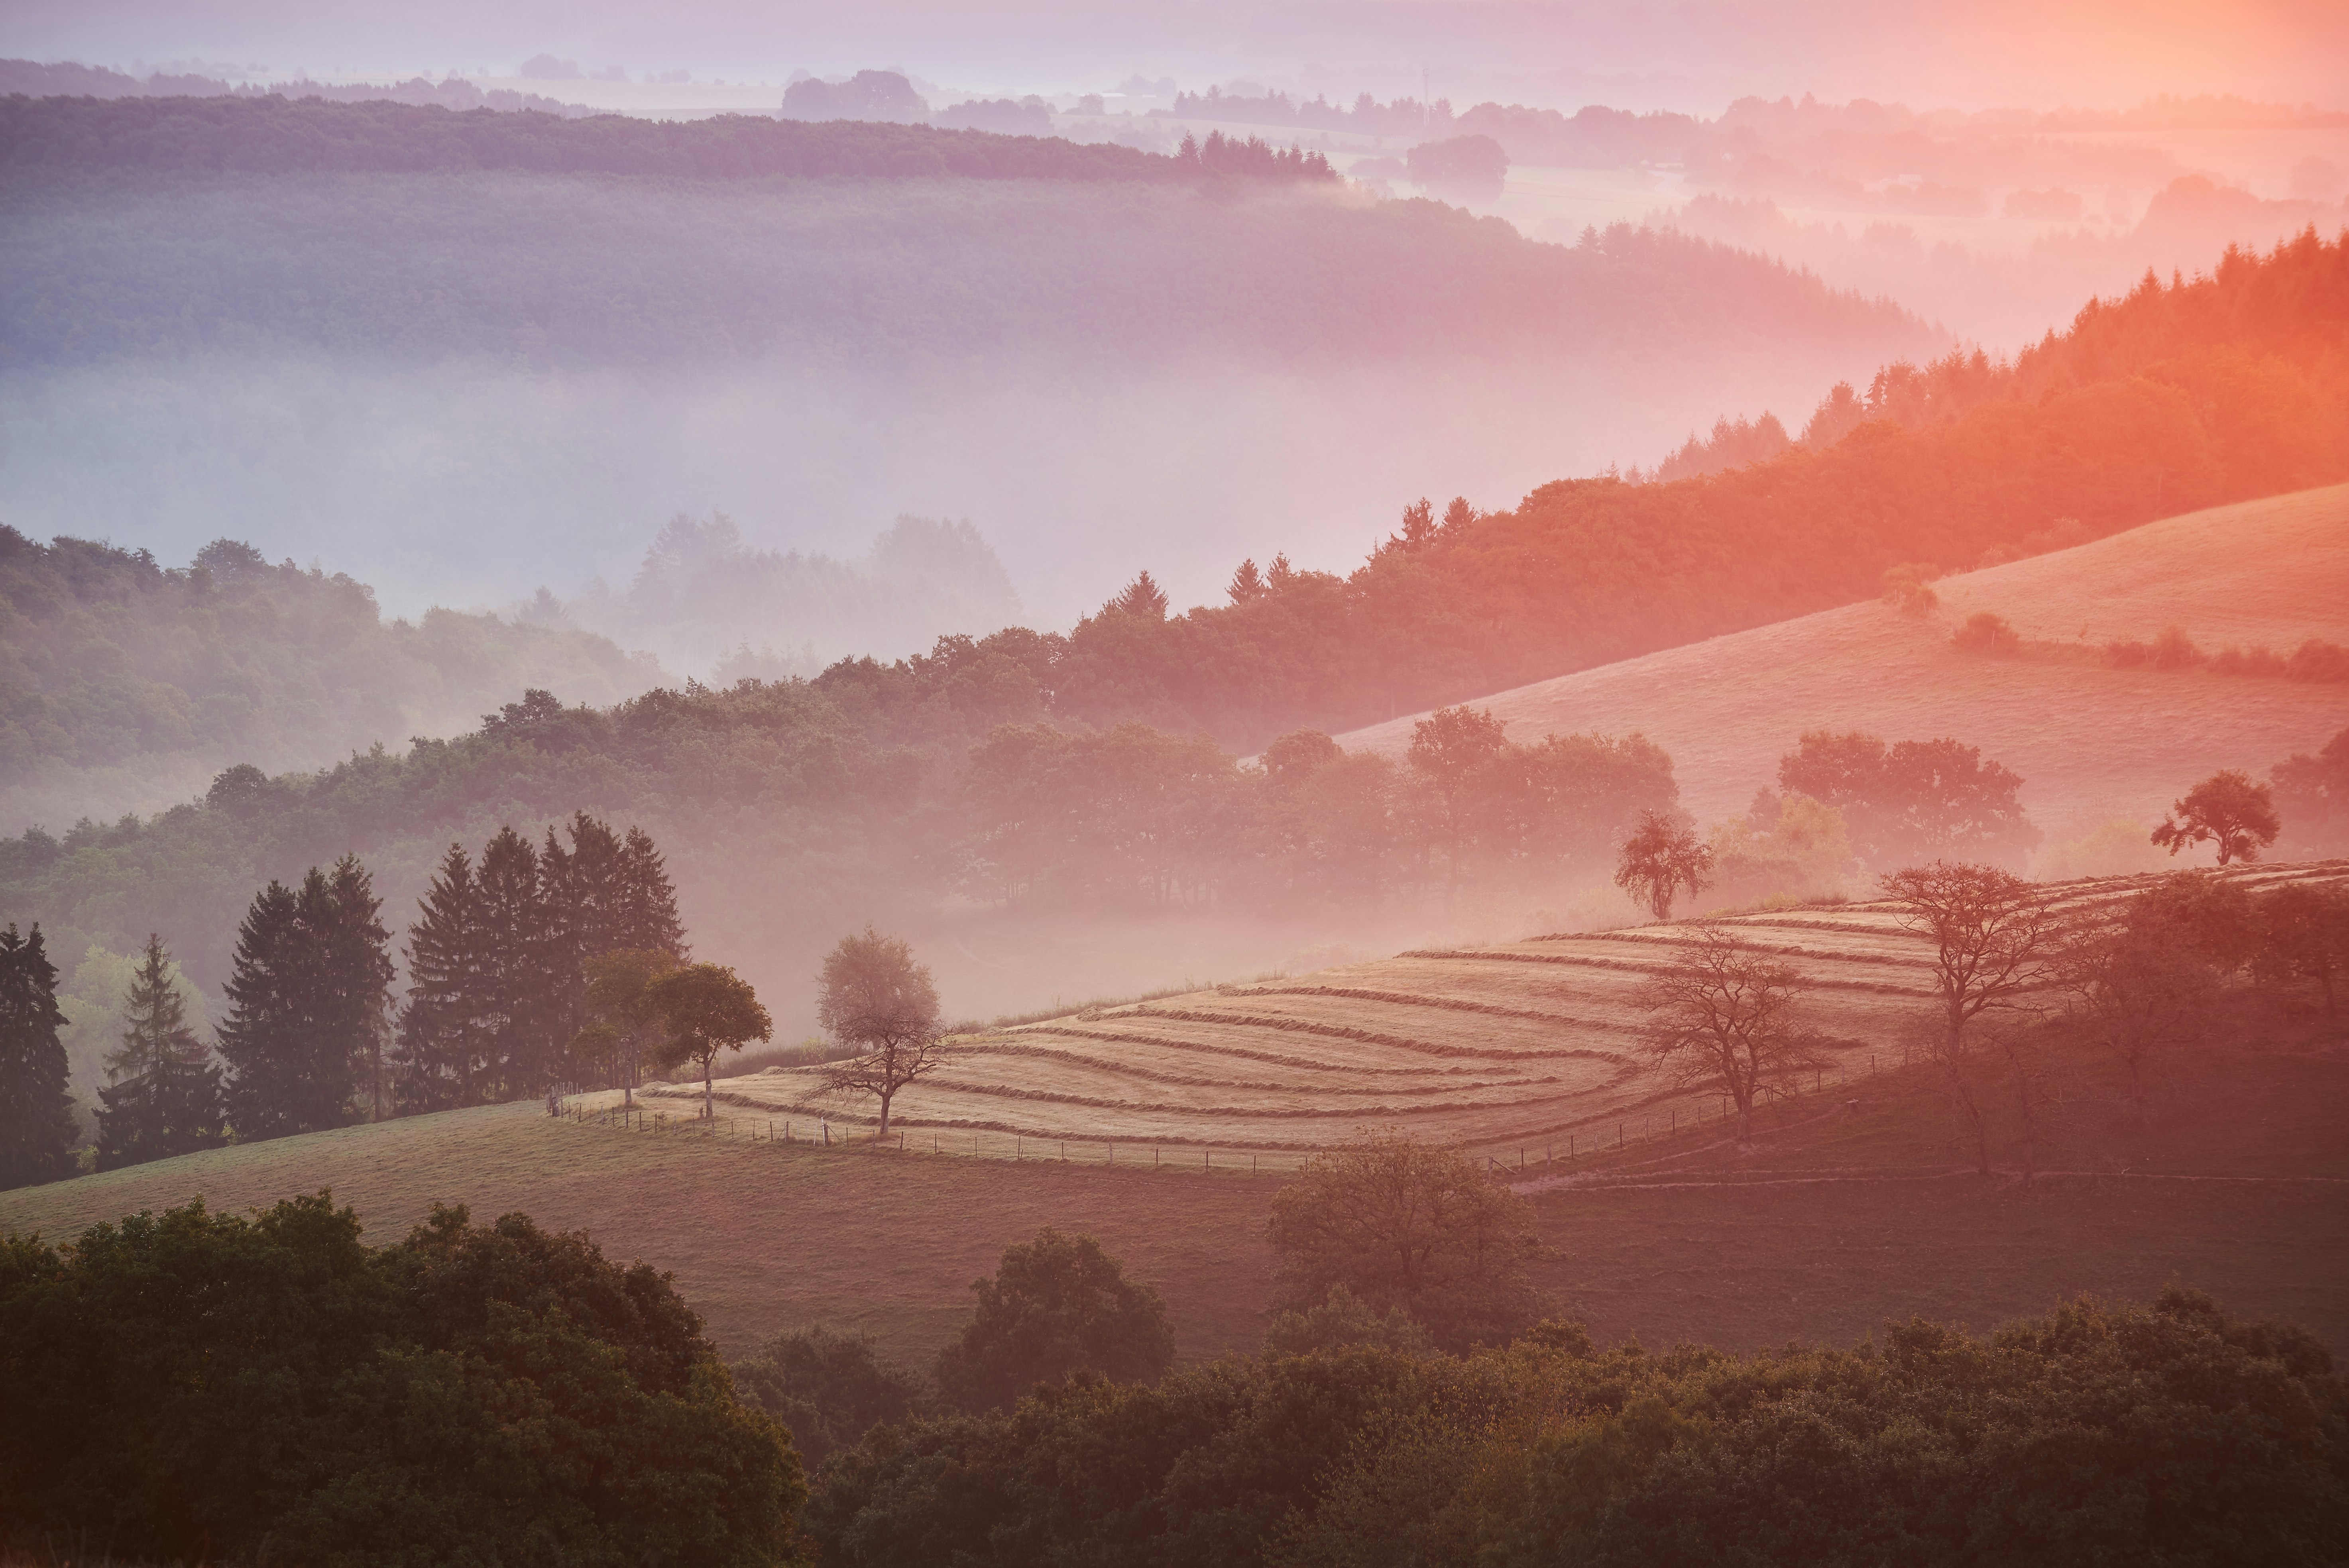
(1855, 1203)
(1523, 1045)
(2090, 742)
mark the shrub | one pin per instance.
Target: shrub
(197, 1385)
(2318, 661)
(1984, 633)
(1905, 589)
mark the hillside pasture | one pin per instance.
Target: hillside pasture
(1523, 1045)
(2091, 741)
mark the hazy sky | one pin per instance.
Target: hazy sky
(1695, 53)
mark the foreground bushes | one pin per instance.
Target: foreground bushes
(203, 1386)
(2173, 1435)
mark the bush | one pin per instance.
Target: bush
(2318, 661)
(198, 1385)
(1984, 633)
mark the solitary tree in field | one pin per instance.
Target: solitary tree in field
(1406, 1224)
(2227, 809)
(1057, 1306)
(1995, 939)
(1658, 859)
(874, 996)
(703, 1008)
(623, 1024)
(1727, 1018)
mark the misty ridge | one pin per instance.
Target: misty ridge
(705, 601)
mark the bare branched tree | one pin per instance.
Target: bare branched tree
(874, 996)
(1995, 940)
(1728, 1018)
(2138, 986)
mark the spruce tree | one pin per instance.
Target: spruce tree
(650, 920)
(263, 1037)
(520, 986)
(307, 998)
(36, 1124)
(441, 1055)
(165, 1094)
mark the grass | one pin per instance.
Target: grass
(1524, 1045)
(1832, 1222)
(2091, 742)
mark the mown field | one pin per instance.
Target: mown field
(1523, 1050)
(2235, 1180)
(2091, 742)
(1856, 1203)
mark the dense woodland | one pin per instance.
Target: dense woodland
(121, 677)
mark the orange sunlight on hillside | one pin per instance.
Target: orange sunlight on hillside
(2090, 741)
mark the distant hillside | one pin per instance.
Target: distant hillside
(125, 684)
(2091, 740)
(2179, 396)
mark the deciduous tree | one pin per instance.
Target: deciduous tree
(1058, 1305)
(1995, 940)
(1660, 858)
(1725, 1018)
(2229, 810)
(1403, 1223)
(704, 1008)
(623, 1022)
(873, 995)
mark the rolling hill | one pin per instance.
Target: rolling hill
(1851, 1206)
(1526, 1051)
(2091, 741)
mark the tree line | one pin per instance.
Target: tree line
(1414, 1395)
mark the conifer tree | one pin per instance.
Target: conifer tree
(165, 1094)
(441, 1056)
(651, 918)
(521, 990)
(36, 1125)
(306, 1001)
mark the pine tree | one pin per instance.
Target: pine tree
(307, 998)
(441, 1055)
(520, 991)
(165, 1094)
(36, 1125)
(650, 920)
(345, 926)
(262, 1038)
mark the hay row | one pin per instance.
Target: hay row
(1367, 1037)
(1157, 1075)
(1496, 956)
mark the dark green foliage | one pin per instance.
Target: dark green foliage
(2170, 1435)
(198, 1385)
(828, 1388)
(1200, 1468)
(113, 660)
(1058, 1306)
(165, 1097)
(36, 1127)
(497, 990)
(307, 999)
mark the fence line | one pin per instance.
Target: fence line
(1575, 1146)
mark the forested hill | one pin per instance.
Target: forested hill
(124, 681)
(275, 136)
(2180, 395)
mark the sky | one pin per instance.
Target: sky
(1694, 54)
